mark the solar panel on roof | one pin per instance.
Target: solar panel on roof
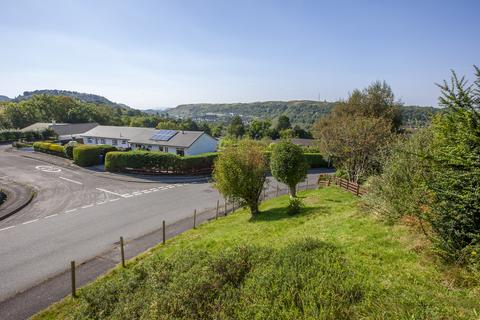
(163, 135)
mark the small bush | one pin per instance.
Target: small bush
(90, 155)
(50, 148)
(11, 135)
(69, 149)
(294, 206)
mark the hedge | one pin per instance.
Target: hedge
(158, 162)
(90, 155)
(50, 148)
(315, 160)
(12, 135)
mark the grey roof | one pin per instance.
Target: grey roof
(62, 129)
(143, 135)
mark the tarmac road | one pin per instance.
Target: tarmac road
(77, 215)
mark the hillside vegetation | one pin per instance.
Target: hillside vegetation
(301, 112)
(329, 262)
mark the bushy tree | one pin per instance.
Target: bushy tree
(283, 123)
(354, 143)
(239, 173)
(236, 128)
(288, 165)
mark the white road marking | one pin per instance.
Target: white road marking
(146, 191)
(137, 193)
(27, 222)
(116, 199)
(170, 187)
(66, 179)
(87, 206)
(7, 228)
(114, 193)
(153, 189)
(48, 168)
(71, 210)
(127, 195)
(50, 216)
(100, 203)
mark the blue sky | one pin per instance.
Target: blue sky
(164, 53)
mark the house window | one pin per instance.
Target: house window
(89, 140)
(102, 141)
(160, 148)
(114, 142)
(180, 152)
(124, 141)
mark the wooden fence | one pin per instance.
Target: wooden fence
(355, 188)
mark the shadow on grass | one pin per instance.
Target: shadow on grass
(274, 214)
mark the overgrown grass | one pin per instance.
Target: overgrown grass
(328, 262)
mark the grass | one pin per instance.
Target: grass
(329, 262)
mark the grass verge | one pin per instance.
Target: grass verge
(328, 262)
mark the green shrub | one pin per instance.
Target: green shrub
(315, 160)
(294, 206)
(69, 149)
(201, 161)
(90, 155)
(50, 148)
(11, 135)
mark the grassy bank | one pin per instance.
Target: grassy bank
(329, 262)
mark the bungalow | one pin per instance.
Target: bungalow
(174, 141)
(65, 131)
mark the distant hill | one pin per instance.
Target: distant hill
(85, 97)
(4, 98)
(302, 112)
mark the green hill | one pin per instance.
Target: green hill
(302, 112)
(85, 97)
(332, 261)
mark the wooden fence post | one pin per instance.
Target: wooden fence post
(122, 252)
(306, 186)
(72, 270)
(163, 231)
(358, 189)
(216, 214)
(225, 211)
(348, 185)
(195, 219)
(276, 193)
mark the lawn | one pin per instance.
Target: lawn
(332, 261)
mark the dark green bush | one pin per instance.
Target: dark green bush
(90, 155)
(315, 160)
(157, 161)
(69, 149)
(307, 279)
(50, 148)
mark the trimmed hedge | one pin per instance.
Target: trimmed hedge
(50, 148)
(315, 160)
(90, 155)
(159, 162)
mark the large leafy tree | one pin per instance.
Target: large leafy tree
(288, 165)
(239, 173)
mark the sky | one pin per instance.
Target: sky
(156, 54)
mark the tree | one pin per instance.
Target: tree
(236, 128)
(376, 101)
(288, 165)
(239, 173)
(259, 129)
(283, 123)
(455, 167)
(354, 143)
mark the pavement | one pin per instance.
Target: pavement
(18, 197)
(79, 215)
